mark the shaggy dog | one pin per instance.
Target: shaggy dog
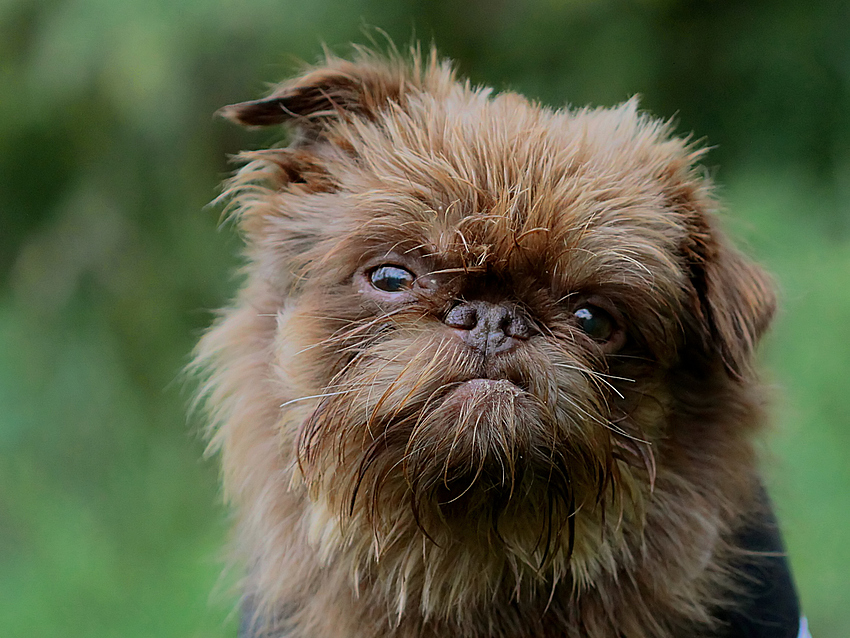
(489, 373)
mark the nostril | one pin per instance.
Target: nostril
(518, 327)
(507, 321)
(463, 316)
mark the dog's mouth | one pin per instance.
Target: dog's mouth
(494, 439)
(479, 400)
(474, 435)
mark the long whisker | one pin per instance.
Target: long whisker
(605, 423)
(349, 332)
(314, 396)
(597, 375)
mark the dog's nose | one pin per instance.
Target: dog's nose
(487, 327)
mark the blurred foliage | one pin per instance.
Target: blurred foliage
(109, 262)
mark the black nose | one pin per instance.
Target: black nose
(487, 327)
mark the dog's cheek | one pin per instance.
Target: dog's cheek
(296, 336)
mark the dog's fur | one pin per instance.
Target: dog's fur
(591, 486)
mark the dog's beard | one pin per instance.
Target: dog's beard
(450, 476)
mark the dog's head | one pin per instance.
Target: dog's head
(476, 333)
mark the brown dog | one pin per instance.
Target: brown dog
(489, 374)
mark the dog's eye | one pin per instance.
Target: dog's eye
(392, 278)
(598, 324)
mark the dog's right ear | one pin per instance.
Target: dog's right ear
(731, 299)
(339, 89)
(734, 299)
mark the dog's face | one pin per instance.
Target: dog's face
(480, 330)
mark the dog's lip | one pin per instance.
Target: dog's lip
(483, 385)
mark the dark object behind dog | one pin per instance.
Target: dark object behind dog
(489, 373)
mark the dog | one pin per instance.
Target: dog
(489, 373)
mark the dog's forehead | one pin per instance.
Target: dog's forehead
(497, 180)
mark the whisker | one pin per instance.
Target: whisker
(313, 396)
(606, 423)
(597, 375)
(349, 332)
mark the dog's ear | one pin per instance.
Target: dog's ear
(340, 88)
(733, 298)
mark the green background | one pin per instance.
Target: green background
(110, 519)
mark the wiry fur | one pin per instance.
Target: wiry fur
(589, 493)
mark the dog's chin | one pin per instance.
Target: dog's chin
(448, 480)
(484, 477)
(478, 421)
(486, 462)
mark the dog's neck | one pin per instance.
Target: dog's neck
(768, 605)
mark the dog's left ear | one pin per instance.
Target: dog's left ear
(340, 88)
(734, 299)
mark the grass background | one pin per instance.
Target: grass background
(110, 523)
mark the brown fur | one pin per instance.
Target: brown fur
(591, 493)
